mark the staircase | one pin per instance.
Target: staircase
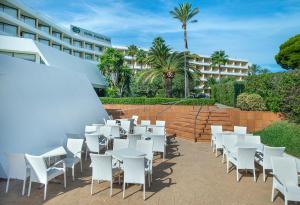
(185, 126)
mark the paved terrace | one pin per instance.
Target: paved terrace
(190, 175)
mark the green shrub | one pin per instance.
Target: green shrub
(250, 102)
(282, 134)
(153, 101)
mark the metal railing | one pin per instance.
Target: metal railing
(167, 108)
(195, 124)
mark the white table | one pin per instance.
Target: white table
(126, 152)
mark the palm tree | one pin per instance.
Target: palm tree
(185, 13)
(141, 57)
(255, 69)
(132, 50)
(219, 58)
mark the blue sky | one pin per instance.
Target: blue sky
(245, 29)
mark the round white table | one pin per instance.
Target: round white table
(120, 154)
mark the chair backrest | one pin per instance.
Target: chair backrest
(74, 147)
(133, 138)
(245, 158)
(160, 123)
(101, 167)
(92, 142)
(111, 122)
(145, 122)
(252, 139)
(216, 129)
(219, 140)
(240, 130)
(158, 143)
(134, 170)
(16, 165)
(229, 141)
(120, 144)
(115, 132)
(90, 128)
(158, 130)
(105, 131)
(270, 152)
(145, 146)
(125, 125)
(110, 117)
(38, 168)
(135, 118)
(139, 129)
(285, 169)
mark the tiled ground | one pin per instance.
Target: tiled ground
(190, 175)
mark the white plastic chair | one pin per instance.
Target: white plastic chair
(218, 143)
(133, 138)
(145, 122)
(74, 150)
(240, 130)
(135, 118)
(160, 123)
(125, 125)
(159, 144)
(158, 130)
(102, 169)
(134, 172)
(139, 130)
(285, 179)
(146, 146)
(92, 144)
(229, 141)
(120, 144)
(90, 128)
(115, 132)
(254, 139)
(244, 160)
(111, 122)
(40, 174)
(17, 169)
(214, 130)
(265, 160)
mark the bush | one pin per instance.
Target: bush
(154, 101)
(250, 102)
(227, 92)
(282, 134)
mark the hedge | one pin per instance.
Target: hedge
(250, 102)
(226, 93)
(154, 101)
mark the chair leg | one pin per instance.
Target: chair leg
(124, 189)
(149, 180)
(81, 165)
(273, 193)
(73, 175)
(227, 166)
(45, 191)
(29, 188)
(254, 175)
(7, 185)
(144, 189)
(286, 201)
(216, 152)
(86, 153)
(111, 185)
(223, 156)
(92, 187)
(23, 189)
(237, 174)
(65, 179)
(264, 175)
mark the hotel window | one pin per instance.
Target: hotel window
(44, 41)
(25, 56)
(89, 46)
(88, 56)
(28, 35)
(28, 20)
(99, 48)
(8, 29)
(77, 43)
(56, 34)
(56, 46)
(66, 50)
(44, 28)
(76, 53)
(9, 10)
(96, 58)
(67, 40)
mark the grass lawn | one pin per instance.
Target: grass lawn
(282, 134)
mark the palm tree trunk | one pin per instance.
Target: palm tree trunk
(186, 81)
(168, 87)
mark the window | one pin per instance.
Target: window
(44, 41)
(99, 48)
(44, 28)
(8, 29)
(28, 20)
(28, 35)
(56, 46)
(9, 10)
(77, 43)
(96, 58)
(67, 40)
(76, 53)
(89, 46)
(56, 34)
(88, 56)
(25, 56)
(66, 50)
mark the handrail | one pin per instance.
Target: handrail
(195, 123)
(171, 104)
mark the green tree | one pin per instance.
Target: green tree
(141, 57)
(210, 82)
(185, 14)
(255, 69)
(218, 59)
(132, 51)
(288, 56)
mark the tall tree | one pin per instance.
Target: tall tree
(255, 69)
(141, 57)
(185, 14)
(132, 51)
(219, 58)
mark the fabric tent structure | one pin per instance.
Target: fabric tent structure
(40, 104)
